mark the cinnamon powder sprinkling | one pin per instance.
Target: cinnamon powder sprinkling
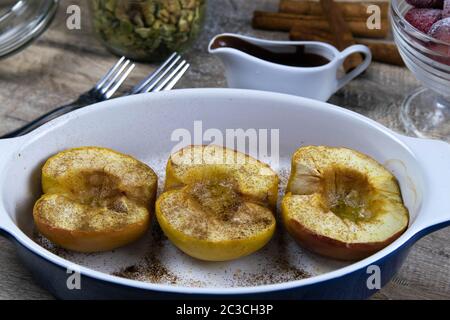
(150, 270)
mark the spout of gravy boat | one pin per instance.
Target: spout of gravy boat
(303, 68)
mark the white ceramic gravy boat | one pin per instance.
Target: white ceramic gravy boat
(318, 82)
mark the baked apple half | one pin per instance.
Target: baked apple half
(217, 203)
(95, 199)
(342, 204)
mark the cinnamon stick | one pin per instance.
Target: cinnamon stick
(285, 21)
(382, 51)
(343, 36)
(299, 33)
(348, 9)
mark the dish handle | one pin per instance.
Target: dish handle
(7, 148)
(434, 157)
(357, 48)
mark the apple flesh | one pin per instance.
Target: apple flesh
(95, 199)
(218, 203)
(341, 203)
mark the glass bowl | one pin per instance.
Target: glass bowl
(426, 111)
(22, 21)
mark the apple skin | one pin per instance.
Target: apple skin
(333, 248)
(93, 241)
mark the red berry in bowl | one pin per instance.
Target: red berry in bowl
(446, 11)
(426, 3)
(441, 31)
(422, 19)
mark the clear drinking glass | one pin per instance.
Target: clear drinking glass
(426, 111)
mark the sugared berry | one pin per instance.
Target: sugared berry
(446, 11)
(441, 30)
(426, 3)
(423, 19)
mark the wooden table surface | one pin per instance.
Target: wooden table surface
(62, 63)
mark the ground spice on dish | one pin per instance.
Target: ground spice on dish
(48, 245)
(282, 273)
(277, 271)
(150, 270)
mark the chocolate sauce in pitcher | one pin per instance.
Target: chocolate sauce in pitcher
(296, 58)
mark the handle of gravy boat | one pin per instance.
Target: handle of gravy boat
(7, 148)
(357, 48)
(433, 157)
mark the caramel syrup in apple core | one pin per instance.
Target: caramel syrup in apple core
(298, 58)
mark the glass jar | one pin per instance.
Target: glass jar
(148, 30)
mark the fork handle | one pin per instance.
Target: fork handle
(82, 101)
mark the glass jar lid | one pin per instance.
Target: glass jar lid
(22, 21)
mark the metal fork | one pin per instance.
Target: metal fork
(164, 78)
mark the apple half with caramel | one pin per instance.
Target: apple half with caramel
(95, 199)
(341, 203)
(218, 203)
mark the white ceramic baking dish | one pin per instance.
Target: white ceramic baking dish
(143, 125)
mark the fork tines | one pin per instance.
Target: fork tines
(165, 77)
(114, 78)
